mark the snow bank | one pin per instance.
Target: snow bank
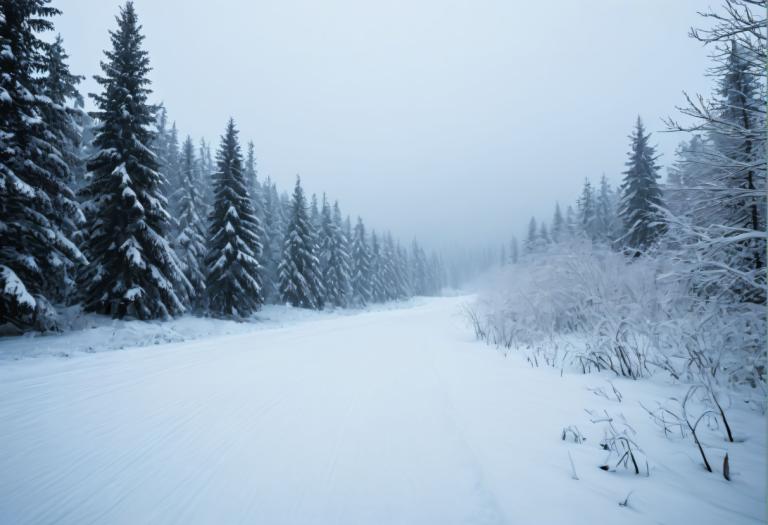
(89, 333)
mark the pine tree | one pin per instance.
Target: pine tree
(378, 290)
(532, 240)
(190, 237)
(419, 270)
(172, 169)
(64, 118)
(570, 221)
(606, 221)
(36, 201)
(299, 271)
(361, 266)
(334, 258)
(234, 281)
(274, 235)
(587, 212)
(205, 181)
(544, 234)
(558, 224)
(641, 196)
(133, 271)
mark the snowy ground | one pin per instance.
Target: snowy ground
(391, 416)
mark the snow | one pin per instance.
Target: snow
(14, 287)
(386, 416)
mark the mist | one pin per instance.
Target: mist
(450, 122)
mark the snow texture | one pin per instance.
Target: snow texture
(392, 416)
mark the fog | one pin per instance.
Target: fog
(453, 122)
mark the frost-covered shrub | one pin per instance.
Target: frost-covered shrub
(622, 314)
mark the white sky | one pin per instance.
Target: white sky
(452, 121)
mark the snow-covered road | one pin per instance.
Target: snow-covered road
(384, 417)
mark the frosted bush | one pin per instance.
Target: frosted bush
(626, 313)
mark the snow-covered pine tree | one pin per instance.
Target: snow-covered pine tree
(606, 221)
(34, 174)
(570, 222)
(361, 266)
(586, 211)
(64, 117)
(252, 178)
(190, 234)
(206, 170)
(274, 232)
(299, 276)
(641, 195)
(172, 170)
(132, 271)
(727, 246)
(544, 238)
(532, 239)
(234, 281)
(691, 182)
(403, 272)
(334, 258)
(419, 270)
(314, 215)
(558, 224)
(378, 286)
(396, 281)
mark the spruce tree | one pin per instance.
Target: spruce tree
(606, 221)
(190, 235)
(274, 227)
(641, 196)
(378, 286)
(299, 273)
(570, 221)
(64, 117)
(544, 234)
(35, 198)
(334, 257)
(172, 170)
(234, 281)
(361, 266)
(133, 270)
(587, 211)
(532, 240)
(558, 224)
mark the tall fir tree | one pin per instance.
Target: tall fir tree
(273, 240)
(190, 235)
(641, 195)
(587, 211)
(361, 266)
(570, 221)
(65, 119)
(532, 239)
(606, 220)
(378, 285)
(334, 258)
(234, 281)
(35, 198)
(299, 275)
(558, 224)
(133, 270)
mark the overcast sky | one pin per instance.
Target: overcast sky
(451, 121)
